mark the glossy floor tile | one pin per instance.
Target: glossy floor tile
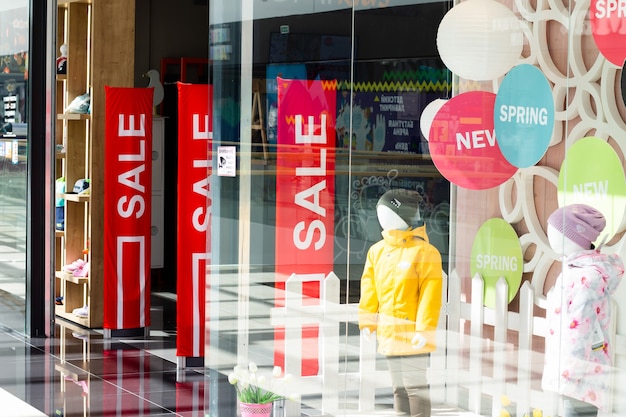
(79, 373)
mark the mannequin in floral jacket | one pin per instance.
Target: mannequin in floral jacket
(578, 345)
(400, 300)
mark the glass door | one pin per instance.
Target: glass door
(14, 44)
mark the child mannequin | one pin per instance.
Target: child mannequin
(578, 349)
(401, 297)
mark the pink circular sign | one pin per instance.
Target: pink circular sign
(463, 142)
(608, 25)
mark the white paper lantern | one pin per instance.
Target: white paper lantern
(428, 115)
(480, 39)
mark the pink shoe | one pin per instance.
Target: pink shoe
(82, 271)
(84, 386)
(74, 265)
(81, 383)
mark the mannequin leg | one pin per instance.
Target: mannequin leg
(411, 391)
(577, 408)
(400, 397)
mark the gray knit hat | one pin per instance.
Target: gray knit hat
(580, 223)
(405, 203)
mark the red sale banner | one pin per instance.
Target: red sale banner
(127, 198)
(194, 215)
(305, 189)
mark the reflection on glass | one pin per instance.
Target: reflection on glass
(13, 168)
(339, 125)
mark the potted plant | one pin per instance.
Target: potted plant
(255, 393)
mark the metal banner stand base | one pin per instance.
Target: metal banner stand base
(187, 362)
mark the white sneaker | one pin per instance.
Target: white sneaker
(82, 312)
(80, 336)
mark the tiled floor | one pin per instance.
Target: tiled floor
(78, 373)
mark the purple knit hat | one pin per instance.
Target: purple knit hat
(580, 223)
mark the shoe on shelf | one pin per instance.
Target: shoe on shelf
(81, 336)
(84, 386)
(58, 301)
(82, 271)
(82, 312)
(81, 383)
(74, 265)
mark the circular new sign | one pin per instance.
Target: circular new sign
(524, 116)
(463, 144)
(592, 174)
(497, 253)
(608, 26)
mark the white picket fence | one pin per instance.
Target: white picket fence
(471, 370)
(504, 364)
(479, 369)
(330, 316)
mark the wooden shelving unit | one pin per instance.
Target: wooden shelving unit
(100, 40)
(73, 116)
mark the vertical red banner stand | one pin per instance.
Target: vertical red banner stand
(127, 208)
(194, 217)
(305, 190)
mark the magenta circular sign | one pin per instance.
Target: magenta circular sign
(608, 25)
(463, 142)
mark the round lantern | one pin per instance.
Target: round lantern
(428, 114)
(480, 39)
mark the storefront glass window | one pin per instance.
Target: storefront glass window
(14, 17)
(383, 178)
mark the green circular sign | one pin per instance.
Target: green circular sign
(592, 174)
(497, 253)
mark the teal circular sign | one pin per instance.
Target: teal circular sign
(524, 116)
(497, 253)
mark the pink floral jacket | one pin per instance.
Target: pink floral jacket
(578, 346)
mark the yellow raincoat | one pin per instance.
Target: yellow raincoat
(401, 291)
